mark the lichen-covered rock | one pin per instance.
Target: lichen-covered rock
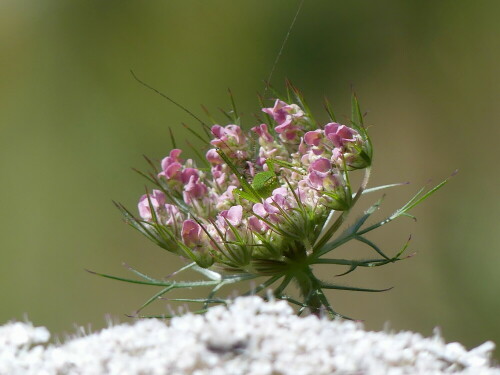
(250, 337)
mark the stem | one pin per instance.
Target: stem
(309, 285)
(363, 185)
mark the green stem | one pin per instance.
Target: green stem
(309, 285)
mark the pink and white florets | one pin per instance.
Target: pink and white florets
(343, 145)
(207, 212)
(288, 118)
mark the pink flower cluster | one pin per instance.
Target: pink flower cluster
(341, 144)
(183, 176)
(211, 222)
(288, 118)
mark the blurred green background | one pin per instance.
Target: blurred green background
(73, 121)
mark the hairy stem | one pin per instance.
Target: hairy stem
(308, 285)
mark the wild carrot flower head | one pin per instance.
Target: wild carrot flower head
(264, 202)
(256, 203)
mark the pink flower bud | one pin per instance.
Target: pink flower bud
(320, 175)
(258, 209)
(171, 159)
(171, 171)
(143, 207)
(277, 202)
(220, 142)
(157, 199)
(218, 174)
(337, 156)
(277, 111)
(263, 133)
(234, 132)
(288, 132)
(321, 166)
(281, 191)
(332, 182)
(192, 233)
(302, 146)
(172, 215)
(305, 159)
(226, 199)
(257, 225)
(339, 134)
(301, 191)
(315, 180)
(217, 131)
(270, 207)
(233, 215)
(313, 138)
(283, 112)
(230, 135)
(285, 126)
(213, 157)
(350, 156)
(194, 189)
(188, 173)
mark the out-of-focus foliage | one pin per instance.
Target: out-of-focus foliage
(73, 121)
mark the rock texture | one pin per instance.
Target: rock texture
(250, 337)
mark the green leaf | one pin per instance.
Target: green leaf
(207, 113)
(286, 280)
(329, 109)
(249, 197)
(151, 164)
(403, 211)
(172, 138)
(150, 179)
(278, 95)
(233, 106)
(354, 289)
(155, 297)
(382, 187)
(351, 269)
(140, 274)
(177, 104)
(130, 280)
(212, 275)
(199, 300)
(227, 115)
(264, 285)
(425, 196)
(196, 134)
(299, 99)
(271, 162)
(291, 300)
(372, 245)
(328, 307)
(213, 292)
(139, 225)
(261, 103)
(264, 183)
(356, 116)
(278, 229)
(166, 316)
(327, 235)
